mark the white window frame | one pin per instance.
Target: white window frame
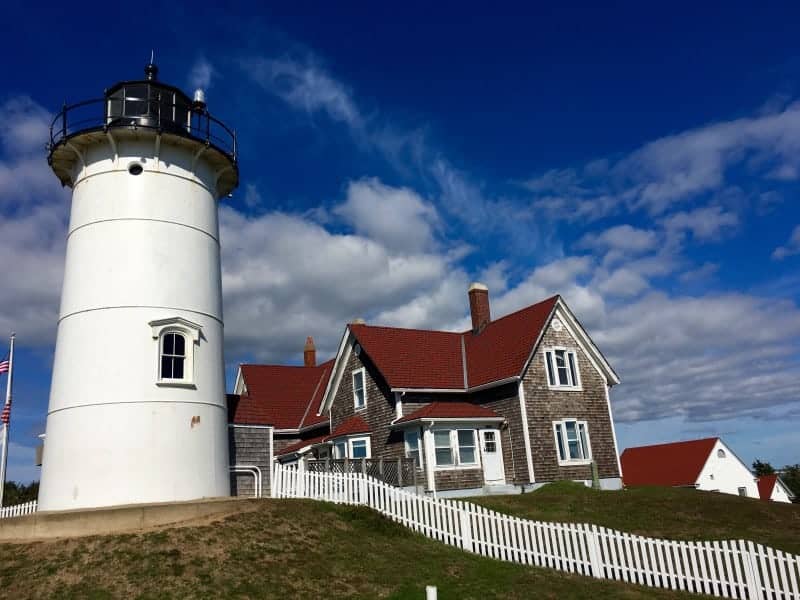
(347, 442)
(191, 333)
(455, 450)
(573, 370)
(363, 373)
(587, 451)
(408, 451)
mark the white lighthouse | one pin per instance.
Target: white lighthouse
(137, 405)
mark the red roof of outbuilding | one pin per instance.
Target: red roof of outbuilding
(423, 359)
(766, 483)
(350, 426)
(450, 410)
(675, 464)
(282, 396)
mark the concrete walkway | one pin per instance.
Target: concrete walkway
(118, 519)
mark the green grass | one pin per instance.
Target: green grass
(285, 549)
(672, 513)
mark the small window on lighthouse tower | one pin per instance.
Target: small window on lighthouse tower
(173, 355)
(176, 341)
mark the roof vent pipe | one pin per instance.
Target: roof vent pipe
(479, 306)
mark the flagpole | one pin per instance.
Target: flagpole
(4, 452)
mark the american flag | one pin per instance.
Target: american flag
(5, 416)
(4, 366)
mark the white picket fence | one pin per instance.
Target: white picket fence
(18, 510)
(728, 569)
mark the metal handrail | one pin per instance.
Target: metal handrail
(201, 125)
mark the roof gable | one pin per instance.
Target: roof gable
(503, 347)
(674, 464)
(286, 397)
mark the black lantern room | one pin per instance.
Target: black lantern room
(142, 107)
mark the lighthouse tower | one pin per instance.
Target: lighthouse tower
(137, 404)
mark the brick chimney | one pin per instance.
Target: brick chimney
(310, 353)
(479, 306)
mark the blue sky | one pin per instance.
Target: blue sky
(642, 162)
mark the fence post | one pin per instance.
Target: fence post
(363, 466)
(593, 546)
(466, 528)
(751, 573)
(400, 472)
(380, 468)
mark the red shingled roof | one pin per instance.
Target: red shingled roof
(766, 483)
(351, 426)
(423, 359)
(501, 349)
(675, 464)
(413, 357)
(450, 410)
(282, 396)
(301, 444)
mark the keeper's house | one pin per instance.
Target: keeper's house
(518, 401)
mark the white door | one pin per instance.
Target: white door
(493, 472)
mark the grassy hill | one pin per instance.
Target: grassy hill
(285, 549)
(679, 514)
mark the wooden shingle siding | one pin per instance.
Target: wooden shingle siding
(250, 446)
(458, 479)
(545, 406)
(379, 412)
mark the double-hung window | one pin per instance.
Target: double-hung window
(562, 368)
(572, 441)
(412, 446)
(173, 356)
(359, 389)
(356, 447)
(455, 447)
(177, 343)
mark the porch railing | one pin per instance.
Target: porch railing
(398, 472)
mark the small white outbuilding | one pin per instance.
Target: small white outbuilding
(707, 464)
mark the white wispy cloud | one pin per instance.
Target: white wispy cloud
(306, 86)
(789, 248)
(674, 169)
(201, 74)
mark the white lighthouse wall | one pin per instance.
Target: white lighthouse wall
(140, 248)
(726, 473)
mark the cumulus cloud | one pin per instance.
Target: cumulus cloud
(683, 356)
(790, 248)
(33, 218)
(286, 277)
(396, 217)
